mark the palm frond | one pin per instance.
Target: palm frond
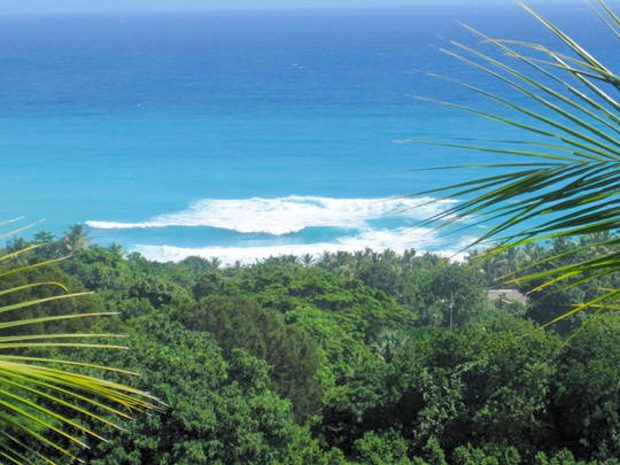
(571, 186)
(47, 404)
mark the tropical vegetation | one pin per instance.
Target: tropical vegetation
(365, 358)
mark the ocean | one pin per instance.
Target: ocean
(243, 135)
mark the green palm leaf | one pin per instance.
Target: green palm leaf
(570, 187)
(47, 404)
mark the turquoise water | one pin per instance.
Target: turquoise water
(241, 134)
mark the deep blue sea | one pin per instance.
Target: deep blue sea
(245, 134)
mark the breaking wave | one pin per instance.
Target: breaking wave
(286, 215)
(290, 224)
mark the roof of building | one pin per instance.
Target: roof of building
(508, 295)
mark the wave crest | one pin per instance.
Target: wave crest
(286, 215)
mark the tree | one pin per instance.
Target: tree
(239, 323)
(457, 291)
(389, 448)
(116, 249)
(76, 238)
(43, 237)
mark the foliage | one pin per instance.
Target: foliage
(287, 361)
(219, 411)
(587, 390)
(240, 323)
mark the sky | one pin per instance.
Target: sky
(92, 6)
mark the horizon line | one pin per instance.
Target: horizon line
(451, 4)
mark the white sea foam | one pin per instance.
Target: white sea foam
(285, 215)
(398, 240)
